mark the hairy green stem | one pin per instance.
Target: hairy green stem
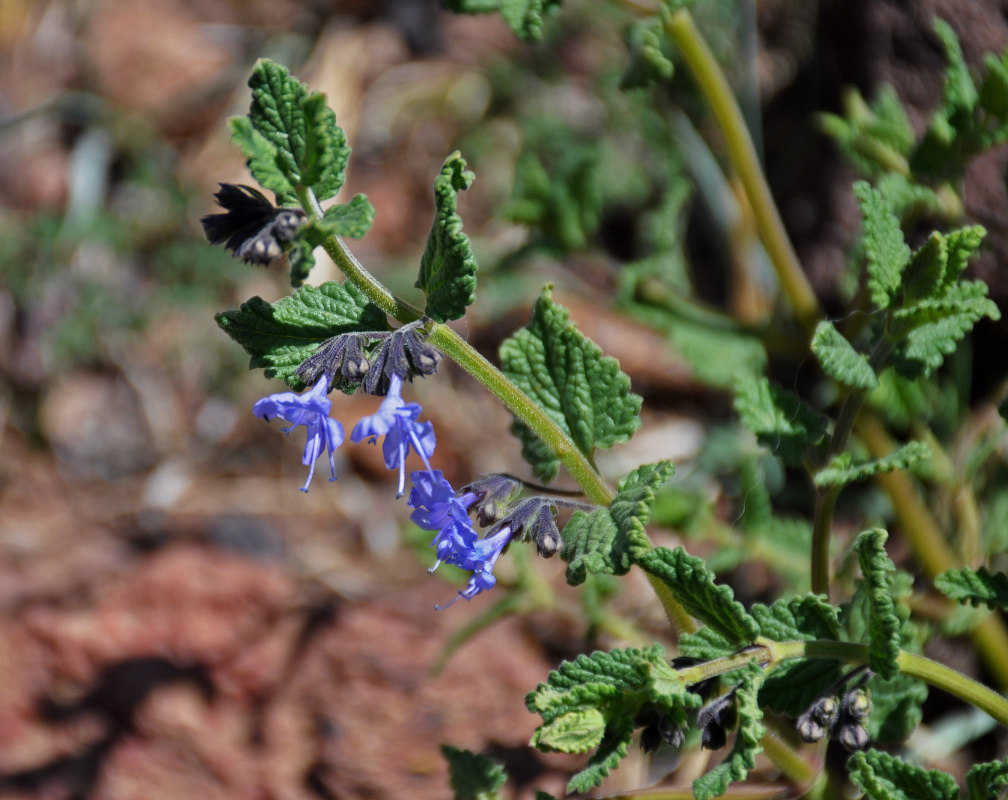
(708, 75)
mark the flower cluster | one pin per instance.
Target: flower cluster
(402, 355)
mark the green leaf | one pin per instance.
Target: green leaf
(525, 17)
(592, 701)
(301, 257)
(279, 336)
(887, 253)
(693, 586)
(975, 587)
(448, 266)
(987, 781)
(931, 328)
(840, 360)
(566, 375)
(782, 422)
(884, 777)
(473, 776)
(707, 644)
(308, 148)
(742, 757)
(962, 245)
(650, 61)
(795, 685)
(353, 219)
(896, 707)
(927, 268)
(883, 622)
(842, 469)
(601, 542)
(809, 617)
(994, 89)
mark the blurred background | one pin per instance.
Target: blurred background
(176, 619)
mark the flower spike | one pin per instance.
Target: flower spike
(310, 409)
(396, 421)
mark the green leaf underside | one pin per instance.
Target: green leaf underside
(279, 336)
(883, 622)
(840, 360)
(795, 685)
(987, 781)
(975, 587)
(884, 777)
(887, 252)
(782, 422)
(692, 584)
(843, 469)
(591, 703)
(448, 266)
(524, 17)
(896, 707)
(290, 137)
(742, 757)
(601, 542)
(566, 375)
(473, 776)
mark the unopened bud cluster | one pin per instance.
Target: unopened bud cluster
(252, 228)
(841, 718)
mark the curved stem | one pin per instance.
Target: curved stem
(681, 28)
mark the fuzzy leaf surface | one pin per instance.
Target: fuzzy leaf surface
(883, 623)
(782, 422)
(566, 375)
(448, 266)
(987, 781)
(473, 776)
(591, 702)
(884, 777)
(975, 587)
(353, 219)
(742, 757)
(887, 252)
(290, 137)
(840, 360)
(601, 542)
(896, 707)
(693, 586)
(843, 469)
(279, 336)
(524, 17)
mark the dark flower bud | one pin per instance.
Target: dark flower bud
(494, 494)
(824, 710)
(809, 728)
(534, 517)
(424, 357)
(650, 738)
(854, 737)
(403, 352)
(856, 705)
(252, 227)
(342, 355)
(672, 734)
(715, 720)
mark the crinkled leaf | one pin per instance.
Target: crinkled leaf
(448, 266)
(473, 776)
(887, 252)
(650, 60)
(975, 586)
(883, 622)
(962, 244)
(308, 148)
(566, 375)
(896, 707)
(525, 17)
(353, 219)
(782, 422)
(884, 777)
(927, 268)
(279, 336)
(592, 701)
(601, 541)
(706, 644)
(809, 617)
(742, 757)
(987, 781)
(840, 360)
(931, 327)
(843, 469)
(871, 136)
(301, 257)
(693, 586)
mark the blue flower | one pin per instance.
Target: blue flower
(310, 409)
(439, 509)
(396, 421)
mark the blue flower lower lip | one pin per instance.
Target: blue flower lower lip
(310, 409)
